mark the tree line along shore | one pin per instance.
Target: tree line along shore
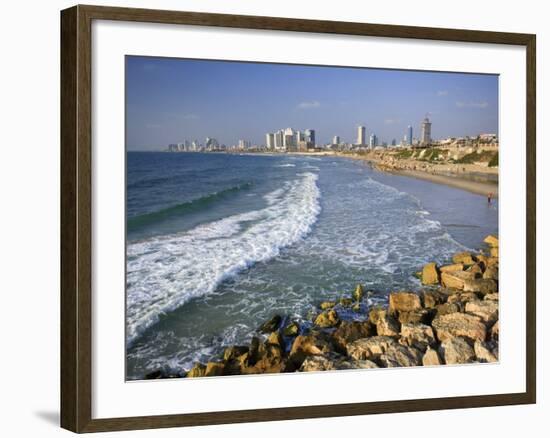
(454, 319)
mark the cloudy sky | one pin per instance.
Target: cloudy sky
(170, 100)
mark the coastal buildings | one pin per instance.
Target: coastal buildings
(270, 140)
(361, 135)
(290, 140)
(425, 132)
(373, 140)
(409, 135)
(336, 140)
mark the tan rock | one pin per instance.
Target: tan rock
(431, 358)
(457, 351)
(431, 298)
(234, 352)
(369, 348)
(464, 258)
(292, 329)
(491, 297)
(492, 262)
(484, 286)
(459, 324)
(486, 310)
(275, 338)
(325, 305)
(456, 279)
(417, 335)
(358, 293)
(495, 331)
(376, 313)
(483, 353)
(430, 275)
(398, 355)
(446, 308)
(348, 332)
(323, 363)
(494, 251)
(452, 268)
(387, 326)
(476, 270)
(404, 302)
(197, 370)
(491, 273)
(311, 344)
(328, 318)
(423, 316)
(214, 369)
(491, 240)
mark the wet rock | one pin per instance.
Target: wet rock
(358, 293)
(417, 335)
(370, 348)
(325, 305)
(313, 344)
(356, 307)
(459, 325)
(401, 356)
(292, 329)
(431, 298)
(483, 353)
(376, 313)
(430, 274)
(404, 302)
(328, 318)
(481, 285)
(457, 351)
(267, 366)
(346, 302)
(348, 332)
(463, 257)
(276, 339)
(214, 369)
(271, 325)
(198, 370)
(487, 310)
(491, 240)
(431, 358)
(234, 352)
(452, 268)
(387, 326)
(456, 279)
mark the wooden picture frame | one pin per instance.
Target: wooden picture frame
(76, 217)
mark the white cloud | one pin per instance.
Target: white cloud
(309, 105)
(472, 104)
(442, 93)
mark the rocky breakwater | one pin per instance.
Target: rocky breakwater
(452, 320)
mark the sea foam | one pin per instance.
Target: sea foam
(164, 273)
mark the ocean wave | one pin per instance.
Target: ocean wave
(194, 205)
(285, 165)
(164, 273)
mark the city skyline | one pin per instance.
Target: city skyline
(169, 100)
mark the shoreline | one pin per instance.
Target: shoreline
(454, 319)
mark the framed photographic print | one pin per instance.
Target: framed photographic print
(269, 218)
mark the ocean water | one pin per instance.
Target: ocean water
(218, 243)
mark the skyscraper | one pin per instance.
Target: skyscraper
(373, 140)
(409, 135)
(310, 136)
(426, 132)
(336, 139)
(361, 135)
(270, 140)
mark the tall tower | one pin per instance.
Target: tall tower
(361, 135)
(409, 135)
(426, 132)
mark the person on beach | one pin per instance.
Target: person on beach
(489, 197)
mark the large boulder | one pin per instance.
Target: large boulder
(491, 273)
(458, 324)
(348, 332)
(292, 329)
(457, 351)
(276, 339)
(481, 285)
(214, 369)
(198, 370)
(463, 257)
(431, 358)
(376, 313)
(487, 310)
(323, 363)
(456, 279)
(494, 251)
(234, 352)
(387, 326)
(370, 348)
(417, 335)
(404, 302)
(430, 274)
(431, 298)
(315, 343)
(491, 240)
(398, 355)
(271, 325)
(483, 352)
(423, 316)
(328, 318)
(452, 268)
(446, 308)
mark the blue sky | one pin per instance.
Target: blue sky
(170, 100)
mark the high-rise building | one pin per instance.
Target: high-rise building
(409, 135)
(270, 140)
(426, 132)
(394, 142)
(310, 136)
(336, 139)
(289, 139)
(279, 139)
(361, 132)
(373, 141)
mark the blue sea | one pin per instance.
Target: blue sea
(218, 243)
